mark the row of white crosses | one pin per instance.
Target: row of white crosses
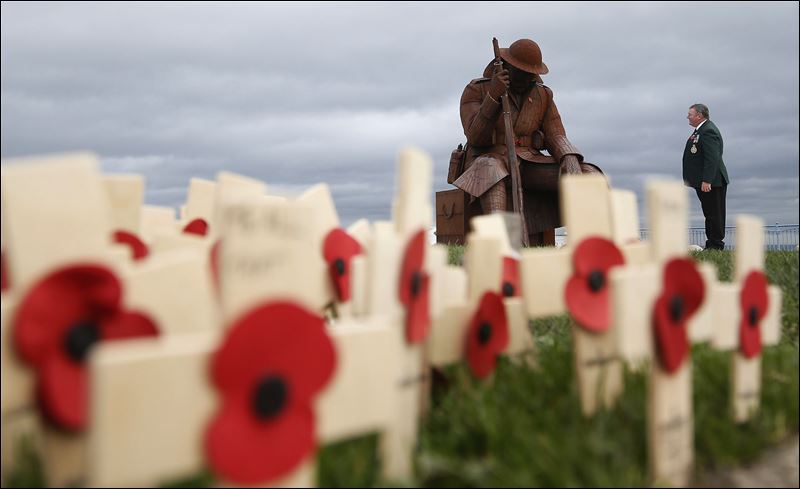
(151, 399)
(651, 305)
(615, 303)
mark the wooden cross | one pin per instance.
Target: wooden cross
(58, 214)
(491, 279)
(232, 186)
(625, 223)
(635, 290)
(411, 211)
(17, 417)
(200, 200)
(175, 289)
(324, 220)
(728, 316)
(462, 296)
(125, 195)
(157, 222)
(586, 212)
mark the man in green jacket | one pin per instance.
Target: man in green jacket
(704, 170)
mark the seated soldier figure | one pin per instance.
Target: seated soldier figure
(537, 127)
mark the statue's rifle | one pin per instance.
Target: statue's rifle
(511, 152)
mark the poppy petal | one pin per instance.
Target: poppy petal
(418, 316)
(754, 301)
(197, 226)
(55, 303)
(590, 310)
(510, 284)
(272, 337)
(244, 450)
(338, 251)
(413, 259)
(413, 289)
(681, 295)
(62, 386)
(596, 253)
(127, 325)
(487, 336)
(672, 342)
(139, 250)
(681, 275)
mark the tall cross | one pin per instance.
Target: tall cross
(545, 273)
(58, 214)
(659, 309)
(747, 317)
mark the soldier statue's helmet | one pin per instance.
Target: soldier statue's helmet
(525, 55)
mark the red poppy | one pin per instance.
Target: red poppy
(197, 226)
(139, 250)
(413, 289)
(754, 301)
(681, 296)
(510, 283)
(268, 370)
(339, 249)
(587, 290)
(5, 282)
(58, 322)
(487, 335)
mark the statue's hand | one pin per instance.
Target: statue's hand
(570, 166)
(499, 84)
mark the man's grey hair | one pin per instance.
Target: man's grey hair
(701, 109)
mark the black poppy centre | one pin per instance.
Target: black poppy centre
(341, 269)
(508, 289)
(269, 397)
(753, 316)
(596, 280)
(416, 283)
(676, 308)
(484, 333)
(79, 339)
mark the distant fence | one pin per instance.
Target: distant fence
(778, 237)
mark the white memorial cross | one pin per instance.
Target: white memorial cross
(481, 324)
(58, 216)
(399, 287)
(747, 317)
(625, 223)
(546, 273)
(125, 195)
(659, 310)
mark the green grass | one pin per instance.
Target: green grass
(525, 428)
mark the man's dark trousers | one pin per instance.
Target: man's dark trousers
(713, 204)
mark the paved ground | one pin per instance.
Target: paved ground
(778, 467)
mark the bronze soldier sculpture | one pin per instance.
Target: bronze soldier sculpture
(537, 127)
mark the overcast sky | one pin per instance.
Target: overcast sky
(297, 94)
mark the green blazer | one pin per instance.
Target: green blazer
(705, 163)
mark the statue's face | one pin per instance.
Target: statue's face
(520, 80)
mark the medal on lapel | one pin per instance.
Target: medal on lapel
(694, 149)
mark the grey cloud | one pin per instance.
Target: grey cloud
(296, 94)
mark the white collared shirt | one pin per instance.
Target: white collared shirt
(700, 125)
